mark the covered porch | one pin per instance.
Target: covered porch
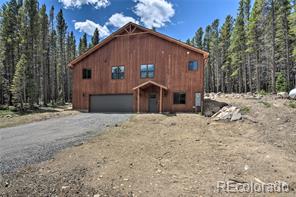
(150, 96)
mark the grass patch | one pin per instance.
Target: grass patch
(10, 111)
(7, 112)
(266, 104)
(245, 110)
(262, 93)
(291, 104)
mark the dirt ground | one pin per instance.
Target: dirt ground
(168, 155)
(10, 119)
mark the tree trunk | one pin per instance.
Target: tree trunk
(273, 68)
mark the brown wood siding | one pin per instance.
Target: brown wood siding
(171, 70)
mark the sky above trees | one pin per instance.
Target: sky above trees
(177, 18)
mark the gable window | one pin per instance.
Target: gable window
(193, 65)
(86, 73)
(179, 98)
(118, 72)
(147, 71)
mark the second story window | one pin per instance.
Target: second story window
(86, 73)
(118, 72)
(147, 71)
(192, 65)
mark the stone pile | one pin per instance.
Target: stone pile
(231, 113)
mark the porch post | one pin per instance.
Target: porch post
(160, 105)
(138, 100)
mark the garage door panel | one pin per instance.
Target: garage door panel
(111, 103)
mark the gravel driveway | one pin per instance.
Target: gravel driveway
(35, 142)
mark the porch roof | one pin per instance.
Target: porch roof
(147, 83)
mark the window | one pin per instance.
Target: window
(193, 65)
(147, 71)
(86, 73)
(179, 98)
(118, 72)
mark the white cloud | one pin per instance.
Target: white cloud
(90, 26)
(78, 3)
(118, 20)
(154, 13)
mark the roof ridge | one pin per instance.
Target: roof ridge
(112, 36)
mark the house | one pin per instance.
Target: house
(139, 70)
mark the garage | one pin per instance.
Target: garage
(116, 103)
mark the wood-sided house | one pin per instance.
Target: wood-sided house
(139, 70)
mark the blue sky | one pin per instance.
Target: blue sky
(176, 18)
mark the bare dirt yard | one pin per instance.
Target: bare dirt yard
(172, 155)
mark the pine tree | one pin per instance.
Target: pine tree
(292, 23)
(9, 43)
(198, 38)
(188, 41)
(283, 48)
(44, 55)
(253, 41)
(225, 41)
(214, 58)
(29, 36)
(206, 47)
(238, 47)
(95, 39)
(61, 68)
(19, 79)
(71, 53)
(83, 44)
(53, 83)
(1, 74)
(247, 64)
(292, 20)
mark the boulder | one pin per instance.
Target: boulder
(292, 94)
(211, 107)
(236, 115)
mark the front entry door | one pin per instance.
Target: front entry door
(152, 103)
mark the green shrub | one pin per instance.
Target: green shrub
(262, 93)
(281, 83)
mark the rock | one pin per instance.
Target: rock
(65, 187)
(283, 95)
(236, 116)
(211, 107)
(228, 113)
(292, 94)
(7, 183)
(97, 195)
(78, 144)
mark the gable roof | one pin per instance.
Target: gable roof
(134, 26)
